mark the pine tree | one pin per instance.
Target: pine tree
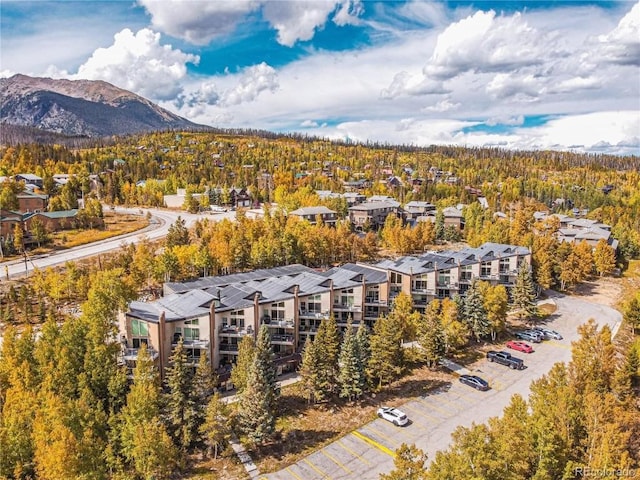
(604, 258)
(309, 369)
(178, 234)
(386, 359)
(181, 407)
(240, 371)
(474, 311)
(266, 367)
(440, 230)
(327, 346)
(431, 336)
(205, 381)
(631, 312)
(409, 464)
(524, 293)
(256, 417)
(351, 373)
(215, 430)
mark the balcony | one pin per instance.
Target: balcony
(233, 331)
(228, 348)
(345, 307)
(374, 301)
(280, 339)
(308, 330)
(488, 276)
(288, 324)
(131, 354)
(423, 291)
(313, 314)
(343, 323)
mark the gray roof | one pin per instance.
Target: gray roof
(221, 280)
(319, 210)
(373, 206)
(452, 212)
(178, 306)
(419, 205)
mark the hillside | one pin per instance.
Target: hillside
(81, 108)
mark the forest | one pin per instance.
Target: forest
(69, 410)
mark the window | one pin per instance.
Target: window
(465, 272)
(395, 278)
(277, 311)
(237, 318)
(420, 285)
(485, 269)
(315, 303)
(139, 328)
(444, 277)
(504, 265)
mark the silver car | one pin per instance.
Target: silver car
(548, 333)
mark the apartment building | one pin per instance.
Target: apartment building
(213, 314)
(371, 214)
(311, 214)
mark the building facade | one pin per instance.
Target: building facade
(213, 314)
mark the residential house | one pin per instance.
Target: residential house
(30, 179)
(371, 214)
(453, 217)
(311, 214)
(31, 202)
(415, 209)
(52, 221)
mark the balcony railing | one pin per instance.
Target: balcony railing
(228, 347)
(346, 307)
(488, 276)
(423, 291)
(194, 343)
(234, 331)
(374, 301)
(131, 354)
(282, 339)
(313, 314)
(289, 324)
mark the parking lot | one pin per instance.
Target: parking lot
(365, 453)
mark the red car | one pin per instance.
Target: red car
(520, 346)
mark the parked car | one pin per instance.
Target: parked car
(548, 333)
(505, 358)
(528, 336)
(393, 415)
(520, 346)
(475, 382)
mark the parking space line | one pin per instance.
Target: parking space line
(320, 472)
(355, 454)
(428, 404)
(372, 442)
(420, 413)
(376, 431)
(293, 474)
(337, 462)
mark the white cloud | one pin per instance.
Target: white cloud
(253, 81)
(442, 106)
(505, 120)
(309, 124)
(198, 22)
(138, 62)
(520, 88)
(622, 45)
(406, 84)
(487, 43)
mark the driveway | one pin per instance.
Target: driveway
(368, 451)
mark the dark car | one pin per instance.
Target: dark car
(475, 382)
(529, 336)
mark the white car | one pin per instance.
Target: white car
(393, 415)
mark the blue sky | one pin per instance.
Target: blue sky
(523, 75)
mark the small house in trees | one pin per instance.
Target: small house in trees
(52, 221)
(31, 202)
(415, 209)
(371, 214)
(311, 214)
(30, 179)
(8, 222)
(453, 217)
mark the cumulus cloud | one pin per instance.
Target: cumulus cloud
(520, 88)
(309, 124)
(200, 22)
(442, 106)
(139, 63)
(253, 81)
(622, 45)
(205, 94)
(506, 120)
(406, 84)
(485, 42)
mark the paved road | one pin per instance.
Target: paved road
(161, 220)
(368, 451)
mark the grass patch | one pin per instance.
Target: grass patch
(114, 225)
(303, 428)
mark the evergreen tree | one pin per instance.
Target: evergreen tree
(205, 381)
(409, 464)
(215, 430)
(474, 311)
(178, 234)
(631, 312)
(327, 346)
(351, 371)
(431, 335)
(386, 359)
(266, 367)
(309, 372)
(440, 229)
(256, 417)
(181, 408)
(524, 293)
(240, 371)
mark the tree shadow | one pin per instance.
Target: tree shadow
(293, 442)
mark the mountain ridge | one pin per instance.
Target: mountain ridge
(90, 108)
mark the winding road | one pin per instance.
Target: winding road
(161, 220)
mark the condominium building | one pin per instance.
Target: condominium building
(213, 314)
